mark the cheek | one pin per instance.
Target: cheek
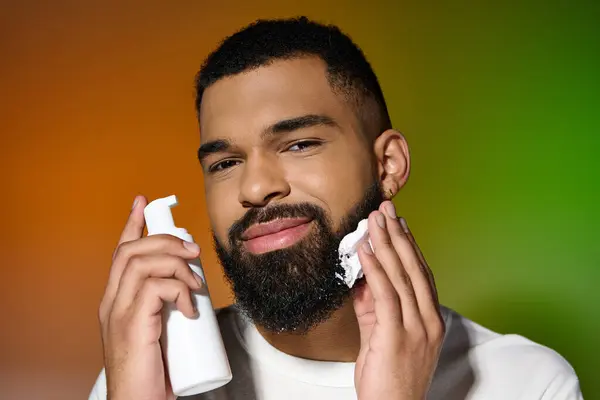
(223, 209)
(338, 183)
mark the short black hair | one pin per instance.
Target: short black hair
(266, 41)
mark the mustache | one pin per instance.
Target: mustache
(266, 214)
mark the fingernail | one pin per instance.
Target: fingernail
(199, 280)
(380, 220)
(135, 202)
(404, 225)
(367, 248)
(390, 209)
(193, 247)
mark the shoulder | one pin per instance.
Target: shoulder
(501, 350)
(505, 360)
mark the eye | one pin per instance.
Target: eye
(303, 145)
(222, 165)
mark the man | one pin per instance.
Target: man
(297, 147)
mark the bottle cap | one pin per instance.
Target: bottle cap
(159, 218)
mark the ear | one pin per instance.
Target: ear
(393, 160)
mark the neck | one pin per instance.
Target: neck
(337, 339)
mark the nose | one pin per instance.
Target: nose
(263, 181)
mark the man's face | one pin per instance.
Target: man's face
(288, 172)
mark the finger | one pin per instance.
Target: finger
(151, 245)
(386, 302)
(428, 303)
(362, 297)
(416, 270)
(412, 240)
(142, 267)
(364, 307)
(134, 227)
(156, 291)
(389, 258)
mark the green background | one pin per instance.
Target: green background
(501, 108)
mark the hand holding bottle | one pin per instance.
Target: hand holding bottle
(145, 273)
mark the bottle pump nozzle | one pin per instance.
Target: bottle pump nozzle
(159, 218)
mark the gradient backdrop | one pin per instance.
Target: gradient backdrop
(500, 104)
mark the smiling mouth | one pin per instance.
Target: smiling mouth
(275, 235)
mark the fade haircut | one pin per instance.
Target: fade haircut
(266, 41)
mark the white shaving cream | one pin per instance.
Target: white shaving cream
(348, 251)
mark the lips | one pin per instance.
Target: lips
(272, 227)
(274, 235)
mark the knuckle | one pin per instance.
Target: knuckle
(177, 263)
(396, 318)
(397, 229)
(180, 269)
(136, 261)
(103, 311)
(114, 319)
(418, 335)
(401, 275)
(410, 293)
(149, 287)
(146, 290)
(165, 241)
(385, 241)
(390, 296)
(101, 315)
(437, 332)
(382, 249)
(123, 251)
(181, 286)
(172, 266)
(392, 303)
(407, 286)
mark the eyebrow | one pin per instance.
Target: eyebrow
(283, 126)
(293, 124)
(212, 147)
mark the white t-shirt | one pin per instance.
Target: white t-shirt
(475, 364)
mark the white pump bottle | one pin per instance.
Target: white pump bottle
(193, 348)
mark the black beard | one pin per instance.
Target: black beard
(295, 288)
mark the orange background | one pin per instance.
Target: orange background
(97, 105)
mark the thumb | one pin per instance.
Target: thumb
(365, 315)
(364, 307)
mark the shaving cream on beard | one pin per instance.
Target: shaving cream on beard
(348, 252)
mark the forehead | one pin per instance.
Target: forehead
(250, 101)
